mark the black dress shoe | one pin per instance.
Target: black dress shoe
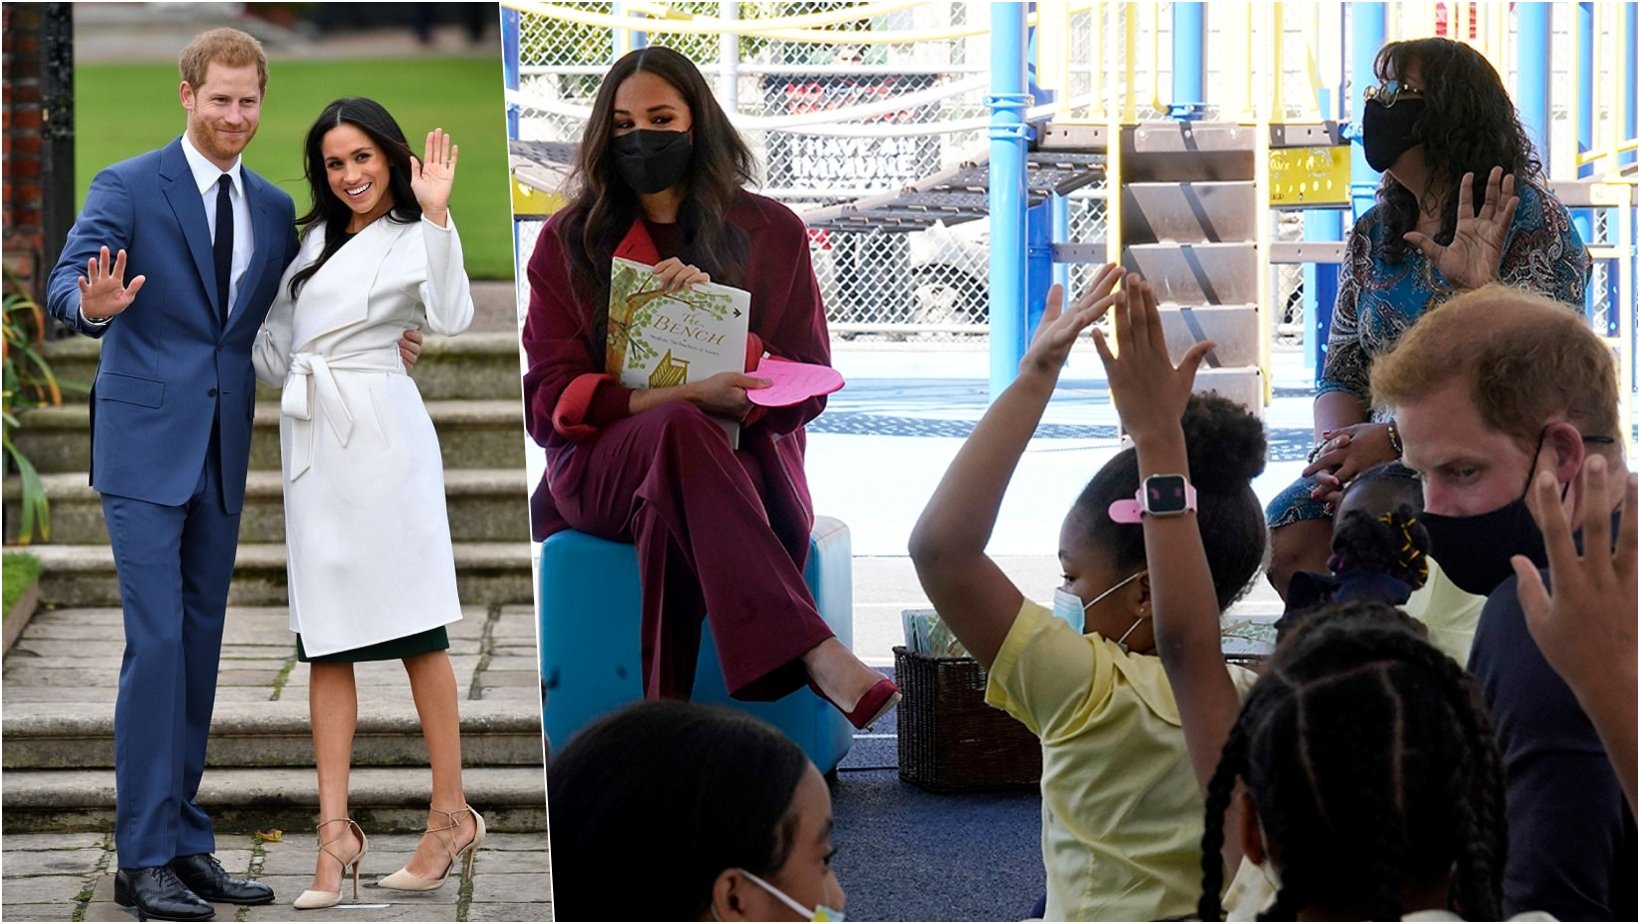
(211, 882)
(159, 895)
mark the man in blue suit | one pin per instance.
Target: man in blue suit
(206, 241)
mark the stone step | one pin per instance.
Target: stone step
(473, 366)
(80, 735)
(472, 434)
(83, 575)
(485, 505)
(390, 800)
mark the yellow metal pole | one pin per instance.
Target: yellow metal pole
(1278, 63)
(1156, 103)
(1101, 107)
(1130, 32)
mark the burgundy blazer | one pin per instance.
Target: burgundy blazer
(568, 398)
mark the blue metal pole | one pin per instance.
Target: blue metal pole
(1631, 56)
(509, 64)
(1061, 235)
(1008, 100)
(1583, 219)
(1320, 280)
(1533, 51)
(1585, 89)
(1366, 31)
(1038, 262)
(1189, 60)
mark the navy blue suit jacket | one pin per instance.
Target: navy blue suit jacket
(169, 366)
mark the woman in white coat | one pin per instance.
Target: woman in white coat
(372, 573)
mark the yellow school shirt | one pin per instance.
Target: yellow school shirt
(1121, 813)
(1449, 613)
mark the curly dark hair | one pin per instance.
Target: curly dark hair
(601, 206)
(1373, 768)
(1225, 446)
(1393, 544)
(1469, 125)
(384, 132)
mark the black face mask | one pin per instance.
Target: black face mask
(651, 161)
(1475, 551)
(1386, 131)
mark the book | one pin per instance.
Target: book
(662, 339)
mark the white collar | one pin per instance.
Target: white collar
(206, 174)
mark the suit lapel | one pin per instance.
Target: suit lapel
(264, 225)
(189, 208)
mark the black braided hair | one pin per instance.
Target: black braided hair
(1371, 762)
(1394, 544)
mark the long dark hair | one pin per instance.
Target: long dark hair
(1372, 766)
(713, 785)
(1225, 445)
(378, 124)
(1469, 125)
(602, 206)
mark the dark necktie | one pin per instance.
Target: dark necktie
(224, 243)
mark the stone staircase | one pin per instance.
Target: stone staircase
(61, 675)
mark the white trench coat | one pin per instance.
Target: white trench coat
(367, 532)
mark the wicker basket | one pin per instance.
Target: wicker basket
(950, 740)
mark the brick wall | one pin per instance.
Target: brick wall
(38, 136)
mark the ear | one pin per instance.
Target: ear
(729, 897)
(1563, 451)
(1252, 835)
(1141, 593)
(185, 94)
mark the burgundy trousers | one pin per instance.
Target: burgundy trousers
(667, 481)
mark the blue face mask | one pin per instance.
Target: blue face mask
(817, 913)
(1069, 607)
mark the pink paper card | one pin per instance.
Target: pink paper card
(792, 382)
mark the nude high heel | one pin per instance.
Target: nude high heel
(313, 898)
(406, 881)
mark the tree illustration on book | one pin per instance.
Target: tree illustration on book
(639, 309)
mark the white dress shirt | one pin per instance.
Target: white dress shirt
(206, 176)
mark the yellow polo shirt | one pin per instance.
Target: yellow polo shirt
(1121, 813)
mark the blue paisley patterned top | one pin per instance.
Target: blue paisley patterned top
(1378, 301)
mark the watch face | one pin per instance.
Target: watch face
(1165, 494)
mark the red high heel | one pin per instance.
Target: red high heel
(883, 696)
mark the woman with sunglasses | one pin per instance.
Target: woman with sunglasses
(1463, 202)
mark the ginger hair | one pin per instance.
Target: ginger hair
(228, 47)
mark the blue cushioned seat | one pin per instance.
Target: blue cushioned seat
(588, 605)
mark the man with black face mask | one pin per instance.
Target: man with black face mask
(1488, 391)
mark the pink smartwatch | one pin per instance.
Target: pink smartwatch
(1158, 496)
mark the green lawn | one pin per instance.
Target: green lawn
(122, 110)
(19, 571)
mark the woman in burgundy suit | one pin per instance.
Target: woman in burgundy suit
(721, 532)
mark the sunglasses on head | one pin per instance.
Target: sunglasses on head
(1389, 91)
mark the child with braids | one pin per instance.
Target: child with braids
(1380, 551)
(1373, 786)
(1370, 780)
(1121, 809)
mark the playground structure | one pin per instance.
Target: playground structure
(958, 156)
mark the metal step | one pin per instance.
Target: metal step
(1234, 330)
(1177, 151)
(1189, 212)
(472, 434)
(1241, 384)
(485, 505)
(1198, 274)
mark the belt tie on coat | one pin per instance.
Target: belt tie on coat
(312, 378)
